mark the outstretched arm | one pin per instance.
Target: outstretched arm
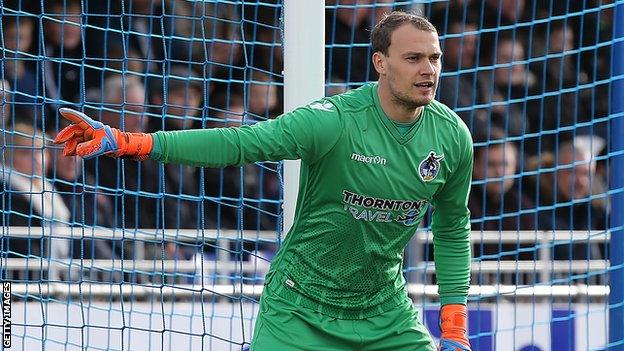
(305, 133)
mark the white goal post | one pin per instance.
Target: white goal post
(304, 77)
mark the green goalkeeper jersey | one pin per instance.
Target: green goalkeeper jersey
(364, 188)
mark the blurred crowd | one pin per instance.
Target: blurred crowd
(530, 79)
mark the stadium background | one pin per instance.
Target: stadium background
(115, 254)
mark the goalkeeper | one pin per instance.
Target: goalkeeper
(373, 159)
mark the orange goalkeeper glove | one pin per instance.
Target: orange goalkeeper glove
(88, 138)
(454, 324)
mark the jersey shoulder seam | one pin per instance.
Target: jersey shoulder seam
(346, 103)
(443, 111)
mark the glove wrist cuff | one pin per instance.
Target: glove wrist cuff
(134, 145)
(454, 323)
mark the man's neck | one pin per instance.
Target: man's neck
(394, 109)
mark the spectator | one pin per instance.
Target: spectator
(597, 30)
(119, 62)
(460, 45)
(261, 182)
(442, 13)
(496, 192)
(566, 199)
(558, 71)
(223, 191)
(231, 185)
(263, 24)
(230, 109)
(498, 13)
(508, 80)
(142, 26)
(215, 31)
(123, 62)
(86, 206)
(596, 56)
(347, 30)
(128, 95)
(262, 96)
(178, 97)
(129, 187)
(124, 180)
(458, 90)
(64, 70)
(18, 35)
(31, 200)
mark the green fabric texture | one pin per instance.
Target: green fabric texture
(404, 128)
(286, 325)
(156, 148)
(364, 188)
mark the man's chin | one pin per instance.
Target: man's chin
(423, 101)
(413, 102)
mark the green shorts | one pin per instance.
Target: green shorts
(283, 325)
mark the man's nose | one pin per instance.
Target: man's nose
(427, 68)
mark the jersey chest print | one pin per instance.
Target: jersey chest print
(373, 209)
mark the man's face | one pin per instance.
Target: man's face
(459, 51)
(262, 98)
(131, 109)
(497, 162)
(232, 116)
(573, 182)
(412, 66)
(19, 38)
(509, 52)
(28, 157)
(134, 109)
(561, 40)
(510, 9)
(183, 103)
(65, 28)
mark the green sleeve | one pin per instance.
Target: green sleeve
(451, 227)
(307, 133)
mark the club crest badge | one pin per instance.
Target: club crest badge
(430, 167)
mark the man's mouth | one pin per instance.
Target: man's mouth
(424, 84)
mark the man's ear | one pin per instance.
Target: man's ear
(379, 62)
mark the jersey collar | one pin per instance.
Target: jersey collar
(389, 124)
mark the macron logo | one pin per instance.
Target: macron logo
(377, 160)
